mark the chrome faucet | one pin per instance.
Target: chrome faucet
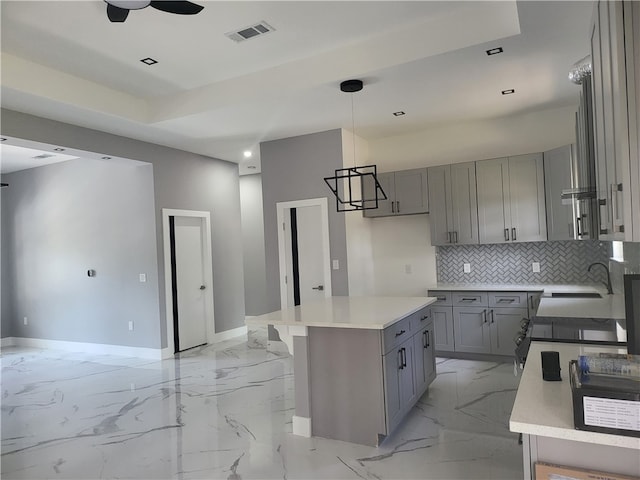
(608, 283)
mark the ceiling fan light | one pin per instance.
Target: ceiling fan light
(129, 4)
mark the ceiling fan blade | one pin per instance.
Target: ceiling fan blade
(180, 7)
(116, 14)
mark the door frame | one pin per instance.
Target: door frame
(208, 271)
(281, 210)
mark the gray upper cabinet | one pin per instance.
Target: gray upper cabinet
(511, 204)
(615, 48)
(453, 211)
(406, 192)
(557, 177)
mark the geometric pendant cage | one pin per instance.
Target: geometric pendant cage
(356, 188)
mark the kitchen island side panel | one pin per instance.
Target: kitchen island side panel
(346, 383)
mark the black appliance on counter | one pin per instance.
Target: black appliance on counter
(632, 312)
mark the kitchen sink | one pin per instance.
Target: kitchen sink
(576, 295)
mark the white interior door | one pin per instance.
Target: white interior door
(190, 282)
(310, 253)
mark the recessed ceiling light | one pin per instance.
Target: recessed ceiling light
(149, 61)
(106, 158)
(247, 154)
(508, 92)
(494, 51)
(399, 114)
(59, 149)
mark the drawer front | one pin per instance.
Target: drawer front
(508, 299)
(469, 299)
(396, 334)
(420, 319)
(444, 298)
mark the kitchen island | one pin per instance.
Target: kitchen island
(360, 363)
(543, 413)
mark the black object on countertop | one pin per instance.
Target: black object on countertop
(551, 366)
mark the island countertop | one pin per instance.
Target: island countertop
(546, 408)
(375, 313)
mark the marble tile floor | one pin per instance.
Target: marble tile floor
(224, 412)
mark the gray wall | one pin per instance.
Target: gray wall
(560, 262)
(182, 180)
(66, 218)
(255, 277)
(293, 169)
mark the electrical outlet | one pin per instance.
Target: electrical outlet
(467, 268)
(336, 265)
(535, 266)
(25, 320)
(130, 325)
(407, 269)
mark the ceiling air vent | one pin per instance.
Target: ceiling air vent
(249, 32)
(43, 156)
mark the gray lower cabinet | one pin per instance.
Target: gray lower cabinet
(425, 360)
(374, 376)
(471, 330)
(399, 383)
(480, 322)
(504, 325)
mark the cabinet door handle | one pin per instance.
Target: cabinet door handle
(448, 237)
(424, 317)
(393, 207)
(506, 234)
(441, 298)
(400, 366)
(398, 206)
(506, 300)
(455, 237)
(404, 357)
(427, 339)
(399, 333)
(531, 302)
(484, 316)
(513, 234)
(578, 226)
(492, 317)
(466, 299)
(602, 202)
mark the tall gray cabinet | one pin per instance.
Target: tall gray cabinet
(511, 203)
(453, 207)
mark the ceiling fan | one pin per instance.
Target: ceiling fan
(117, 10)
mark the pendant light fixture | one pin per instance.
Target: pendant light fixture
(355, 188)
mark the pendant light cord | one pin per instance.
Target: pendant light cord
(353, 132)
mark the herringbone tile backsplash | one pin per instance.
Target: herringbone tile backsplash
(560, 262)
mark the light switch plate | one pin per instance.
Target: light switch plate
(535, 266)
(336, 265)
(467, 268)
(130, 325)
(142, 277)
(25, 320)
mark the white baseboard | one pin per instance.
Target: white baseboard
(105, 349)
(94, 348)
(229, 334)
(302, 426)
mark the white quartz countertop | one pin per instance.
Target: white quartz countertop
(546, 408)
(517, 287)
(374, 313)
(609, 306)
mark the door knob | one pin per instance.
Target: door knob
(319, 287)
(202, 287)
